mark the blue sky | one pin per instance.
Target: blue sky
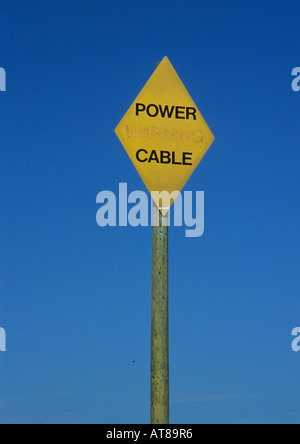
(75, 298)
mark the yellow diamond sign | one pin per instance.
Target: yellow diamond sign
(164, 133)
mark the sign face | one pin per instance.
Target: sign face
(164, 133)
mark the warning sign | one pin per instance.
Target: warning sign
(164, 133)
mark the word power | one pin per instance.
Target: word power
(177, 112)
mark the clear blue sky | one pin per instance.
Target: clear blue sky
(75, 298)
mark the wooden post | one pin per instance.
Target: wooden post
(159, 413)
